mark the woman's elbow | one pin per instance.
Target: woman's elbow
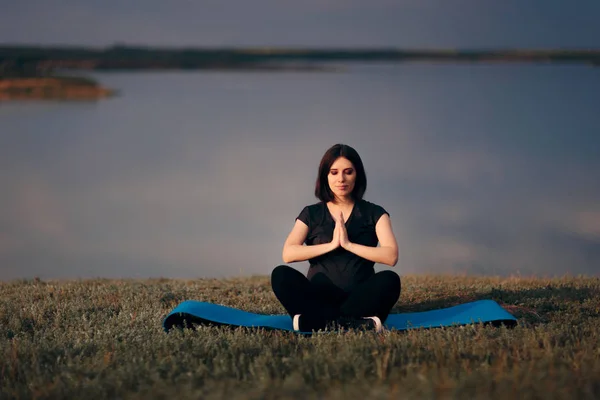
(391, 262)
(286, 256)
(393, 259)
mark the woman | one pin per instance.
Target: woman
(341, 233)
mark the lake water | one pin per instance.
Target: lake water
(486, 169)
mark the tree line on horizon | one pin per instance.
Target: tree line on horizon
(20, 60)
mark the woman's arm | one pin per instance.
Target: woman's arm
(386, 253)
(295, 251)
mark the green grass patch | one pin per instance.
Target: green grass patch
(104, 339)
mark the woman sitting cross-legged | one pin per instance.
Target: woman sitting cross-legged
(341, 233)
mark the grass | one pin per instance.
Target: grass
(104, 339)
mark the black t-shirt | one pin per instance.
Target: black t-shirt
(345, 269)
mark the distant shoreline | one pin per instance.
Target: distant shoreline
(29, 72)
(44, 58)
(51, 88)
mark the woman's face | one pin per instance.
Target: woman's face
(341, 177)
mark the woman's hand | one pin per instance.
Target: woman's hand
(342, 232)
(340, 235)
(335, 242)
(337, 231)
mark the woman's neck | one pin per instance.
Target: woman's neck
(343, 201)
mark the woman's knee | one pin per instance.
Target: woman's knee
(283, 274)
(389, 280)
(279, 270)
(389, 276)
(278, 274)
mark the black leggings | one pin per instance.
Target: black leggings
(320, 301)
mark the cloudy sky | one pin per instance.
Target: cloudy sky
(397, 23)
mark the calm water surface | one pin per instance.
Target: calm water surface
(483, 169)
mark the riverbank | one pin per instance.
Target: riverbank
(52, 88)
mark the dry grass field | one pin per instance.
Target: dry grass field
(98, 339)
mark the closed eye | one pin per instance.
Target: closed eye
(348, 171)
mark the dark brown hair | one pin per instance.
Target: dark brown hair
(322, 190)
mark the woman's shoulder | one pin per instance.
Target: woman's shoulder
(368, 205)
(313, 209)
(371, 209)
(316, 206)
(312, 214)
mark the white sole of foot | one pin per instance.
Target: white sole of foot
(296, 322)
(378, 324)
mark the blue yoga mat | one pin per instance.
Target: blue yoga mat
(481, 311)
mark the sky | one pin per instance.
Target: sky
(314, 23)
